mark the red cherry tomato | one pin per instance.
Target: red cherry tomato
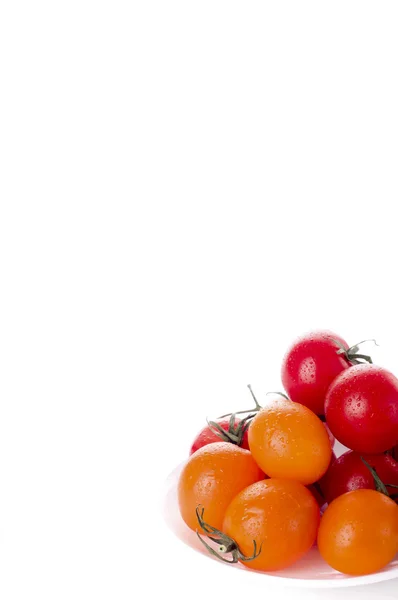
(310, 365)
(349, 473)
(209, 435)
(318, 485)
(362, 409)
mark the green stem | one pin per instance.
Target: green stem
(258, 407)
(278, 394)
(244, 412)
(226, 545)
(379, 485)
(352, 354)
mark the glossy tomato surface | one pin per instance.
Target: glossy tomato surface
(207, 435)
(310, 365)
(289, 441)
(348, 473)
(362, 409)
(281, 516)
(211, 478)
(358, 534)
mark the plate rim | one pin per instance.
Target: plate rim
(345, 581)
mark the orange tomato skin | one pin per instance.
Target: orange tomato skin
(289, 441)
(358, 534)
(281, 514)
(211, 477)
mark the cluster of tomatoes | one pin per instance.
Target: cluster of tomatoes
(263, 489)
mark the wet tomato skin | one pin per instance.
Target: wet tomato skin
(358, 534)
(287, 440)
(281, 516)
(310, 365)
(211, 478)
(208, 436)
(362, 409)
(348, 473)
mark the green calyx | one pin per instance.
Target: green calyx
(226, 545)
(352, 354)
(235, 432)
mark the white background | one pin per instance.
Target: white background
(184, 187)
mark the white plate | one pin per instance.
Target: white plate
(310, 572)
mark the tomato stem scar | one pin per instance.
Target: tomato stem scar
(226, 545)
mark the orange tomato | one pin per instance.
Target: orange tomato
(212, 477)
(289, 441)
(359, 532)
(281, 516)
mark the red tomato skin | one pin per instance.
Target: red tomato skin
(309, 367)
(207, 436)
(332, 460)
(348, 473)
(362, 409)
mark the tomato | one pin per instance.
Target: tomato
(362, 409)
(258, 407)
(310, 365)
(287, 440)
(211, 477)
(358, 533)
(280, 515)
(349, 473)
(234, 433)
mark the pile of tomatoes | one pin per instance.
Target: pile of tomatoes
(263, 489)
